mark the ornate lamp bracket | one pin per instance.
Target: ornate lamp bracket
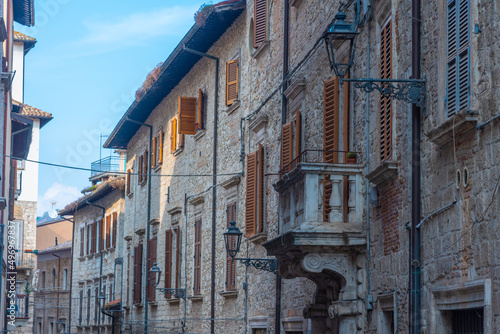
(270, 265)
(177, 293)
(410, 90)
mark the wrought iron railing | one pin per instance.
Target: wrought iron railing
(108, 164)
(22, 304)
(25, 260)
(318, 156)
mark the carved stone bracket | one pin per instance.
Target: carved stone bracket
(345, 308)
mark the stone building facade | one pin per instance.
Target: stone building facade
(336, 222)
(52, 294)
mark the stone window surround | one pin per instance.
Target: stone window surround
(257, 322)
(387, 302)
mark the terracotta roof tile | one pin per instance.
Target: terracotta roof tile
(22, 37)
(30, 111)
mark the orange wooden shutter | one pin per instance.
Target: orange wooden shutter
(115, 228)
(298, 135)
(181, 141)
(385, 103)
(153, 153)
(108, 231)
(286, 146)
(94, 236)
(101, 235)
(187, 115)
(160, 147)
(251, 195)
(145, 168)
(173, 135)
(177, 256)
(82, 241)
(260, 22)
(151, 277)
(260, 195)
(232, 77)
(230, 262)
(201, 106)
(140, 176)
(168, 261)
(197, 257)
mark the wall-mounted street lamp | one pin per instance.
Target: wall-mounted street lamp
(232, 239)
(60, 325)
(177, 293)
(409, 90)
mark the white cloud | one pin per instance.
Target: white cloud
(136, 27)
(59, 193)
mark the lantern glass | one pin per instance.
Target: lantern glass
(156, 270)
(232, 238)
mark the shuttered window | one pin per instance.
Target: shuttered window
(173, 135)
(145, 166)
(197, 257)
(168, 261)
(82, 241)
(200, 117)
(129, 190)
(298, 135)
(177, 255)
(458, 76)
(286, 146)
(260, 22)
(232, 78)
(254, 215)
(385, 102)
(151, 295)
(115, 229)
(108, 231)
(230, 262)
(187, 115)
(153, 152)
(101, 235)
(94, 237)
(140, 163)
(137, 274)
(160, 147)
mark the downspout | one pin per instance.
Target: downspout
(415, 179)
(71, 278)
(214, 181)
(148, 217)
(58, 281)
(368, 283)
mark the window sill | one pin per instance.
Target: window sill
(153, 303)
(458, 124)
(81, 258)
(229, 294)
(196, 298)
(233, 107)
(259, 50)
(388, 170)
(138, 305)
(143, 183)
(157, 168)
(130, 195)
(258, 238)
(178, 151)
(200, 133)
(126, 307)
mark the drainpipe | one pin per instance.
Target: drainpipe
(148, 217)
(368, 282)
(71, 278)
(415, 179)
(214, 180)
(58, 281)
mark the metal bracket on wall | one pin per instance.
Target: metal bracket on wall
(270, 265)
(410, 90)
(177, 293)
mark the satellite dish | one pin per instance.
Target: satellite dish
(52, 212)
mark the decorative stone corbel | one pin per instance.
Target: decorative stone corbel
(343, 309)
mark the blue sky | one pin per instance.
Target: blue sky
(90, 58)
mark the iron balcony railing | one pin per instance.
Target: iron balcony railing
(319, 156)
(22, 305)
(108, 164)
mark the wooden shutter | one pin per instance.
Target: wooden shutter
(232, 77)
(298, 136)
(385, 103)
(173, 135)
(331, 120)
(251, 195)
(197, 257)
(145, 167)
(286, 147)
(129, 191)
(260, 22)
(230, 262)
(115, 228)
(200, 122)
(168, 261)
(82, 241)
(181, 141)
(187, 115)
(260, 190)
(140, 176)
(88, 241)
(177, 256)
(137, 274)
(94, 236)
(150, 276)
(153, 152)
(160, 147)
(108, 231)
(101, 235)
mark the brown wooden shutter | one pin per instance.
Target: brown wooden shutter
(140, 176)
(197, 257)
(150, 276)
(108, 231)
(177, 256)
(230, 262)
(101, 235)
(160, 147)
(173, 135)
(82, 241)
(251, 195)
(129, 191)
(87, 241)
(385, 103)
(298, 136)
(260, 190)
(115, 228)
(168, 261)
(153, 153)
(260, 22)
(94, 235)
(135, 292)
(232, 77)
(138, 287)
(187, 115)
(286, 146)
(145, 168)
(200, 122)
